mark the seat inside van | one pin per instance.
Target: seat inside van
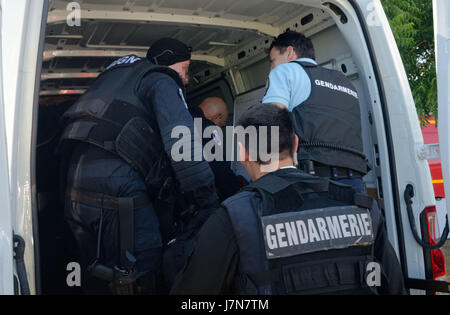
(230, 41)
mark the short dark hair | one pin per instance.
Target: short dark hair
(269, 115)
(303, 46)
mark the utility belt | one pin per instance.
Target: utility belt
(123, 277)
(332, 276)
(325, 171)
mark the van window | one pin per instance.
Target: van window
(255, 75)
(220, 88)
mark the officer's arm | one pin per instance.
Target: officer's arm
(393, 281)
(278, 90)
(288, 85)
(161, 93)
(212, 267)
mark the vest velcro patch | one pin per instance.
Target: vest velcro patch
(126, 60)
(297, 233)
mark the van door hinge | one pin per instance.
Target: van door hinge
(429, 151)
(19, 250)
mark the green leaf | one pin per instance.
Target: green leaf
(412, 24)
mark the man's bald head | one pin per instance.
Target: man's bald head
(215, 109)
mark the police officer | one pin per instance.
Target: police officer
(226, 182)
(122, 183)
(325, 107)
(290, 232)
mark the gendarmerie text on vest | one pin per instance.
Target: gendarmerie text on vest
(294, 231)
(335, 87)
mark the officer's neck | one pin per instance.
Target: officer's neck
(258, 170)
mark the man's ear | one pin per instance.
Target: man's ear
(296, 141)
(292, 55)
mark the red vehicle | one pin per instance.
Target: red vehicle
(430, 136)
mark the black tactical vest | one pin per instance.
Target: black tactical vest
(111, 116)
(299, 234)
(328, 123)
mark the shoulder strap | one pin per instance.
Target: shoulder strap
(270, 183)
(345, 193)
(274, 183)
(305, 64)
(274, 190)
(170, 72)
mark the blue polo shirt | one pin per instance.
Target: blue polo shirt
(288, 84)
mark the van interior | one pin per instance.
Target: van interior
(229, 40)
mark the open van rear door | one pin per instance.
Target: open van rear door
(6, 233)
(441, 10)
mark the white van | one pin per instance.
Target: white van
(51, 51)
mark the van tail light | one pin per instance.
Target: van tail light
(437, 257)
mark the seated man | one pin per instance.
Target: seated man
(213, 112)
(290, 232)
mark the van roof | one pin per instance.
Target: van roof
(222, 34)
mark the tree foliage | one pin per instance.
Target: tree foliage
(412, 24)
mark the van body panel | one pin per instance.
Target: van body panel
(374, 134)
(6, 231)
(405, 131)
(441, 10)
(23, 35)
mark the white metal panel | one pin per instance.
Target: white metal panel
(405, 132)
(6, 242)
(442, 42)
(353, 34)
(217, 31)
(12, 32)
(59, 16)
(22, 32)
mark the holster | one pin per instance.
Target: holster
(122, 279)
(122, 282)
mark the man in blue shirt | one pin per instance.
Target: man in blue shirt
(325, 109)
(288, 84)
